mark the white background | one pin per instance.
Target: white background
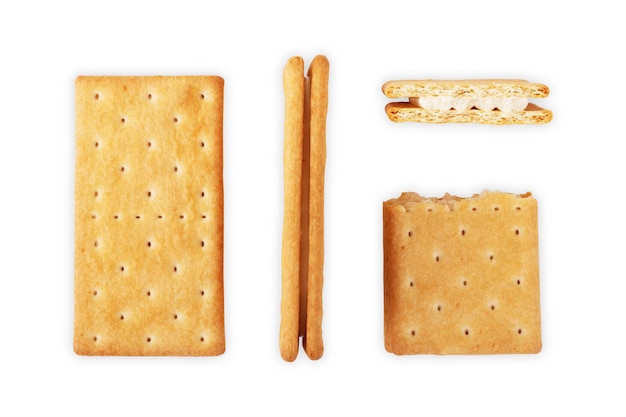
(573, 165)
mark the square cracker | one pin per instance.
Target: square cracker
(461, 276)
(149, 216)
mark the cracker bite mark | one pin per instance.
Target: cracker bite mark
(306, 103)
(490, 101)
(149, 216)
(461, 275)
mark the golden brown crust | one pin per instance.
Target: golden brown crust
(293, 84)
(406, 112)
(148, 281)
(461, 276)
(318, 74)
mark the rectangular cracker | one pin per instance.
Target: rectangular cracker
(461, 276)
(149, 216)
(306, 104)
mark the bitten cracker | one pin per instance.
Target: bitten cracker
(149, 216)
(306, 104)
(490, 101)
(461, 275)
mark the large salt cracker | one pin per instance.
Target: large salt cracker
(461, 276)
(306, 103)
(404, 111)
(149, 216)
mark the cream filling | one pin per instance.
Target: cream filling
(443, 103)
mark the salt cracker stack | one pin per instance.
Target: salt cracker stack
(306, 104)
(491, 101)
(461, 275)
(149, 216)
